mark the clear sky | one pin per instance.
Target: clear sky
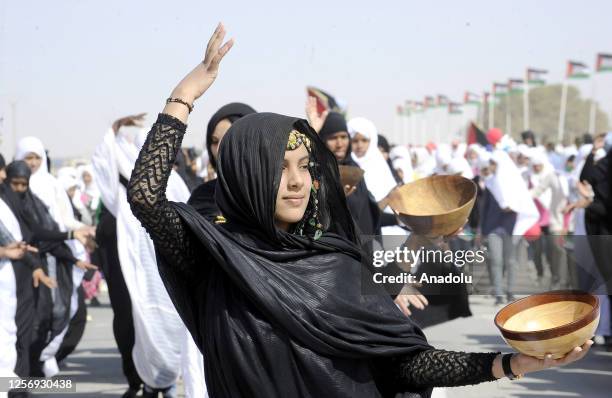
(72, 67)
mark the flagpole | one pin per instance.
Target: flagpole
(508, 115)
(526, 103)
(593, 110)
(491, 106)
(413, 128)
(562, 110)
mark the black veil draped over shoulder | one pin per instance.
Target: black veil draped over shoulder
(277, 314)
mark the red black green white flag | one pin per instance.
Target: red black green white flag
(428, 102)
(325, 101)
(471, 98)
(604, 62)
(516, 86)
(454, 108)
(576, 70)
(535, 77)
(442, 100)
(500, 89)
(476, 135)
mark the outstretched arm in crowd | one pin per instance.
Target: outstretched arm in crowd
(147, 186)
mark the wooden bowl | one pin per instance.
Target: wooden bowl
(350, 175)
(435, 206)
(549, 323)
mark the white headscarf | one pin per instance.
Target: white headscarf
(425, 162)
(460, 165)
(510, 191)
(47, 187)
(400, 156)
(377, 174)
(443, 158)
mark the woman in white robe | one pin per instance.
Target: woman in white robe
(377, 174)
(162, 346)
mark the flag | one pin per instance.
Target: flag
(535, 77)
(476, 135)
(516, 86)
(604, 62)
(428, 102)
(576, 70)
(442, 100)
(399, 110)
(418, 107)
(471, 98)
(455, 108)
(485, 97)
(500, 89)
(325, 101)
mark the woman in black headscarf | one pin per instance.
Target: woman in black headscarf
(183, 166)
(271, 296)
(40, 230)
(361, 203)
(203, 198)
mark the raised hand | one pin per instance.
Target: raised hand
(316, 121)
(129, 121)
(204, 74)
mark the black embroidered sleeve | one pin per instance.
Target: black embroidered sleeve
(440, 368)
(147, 192)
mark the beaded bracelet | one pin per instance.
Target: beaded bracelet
(180, 101)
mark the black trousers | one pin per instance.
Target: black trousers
(123, 323)
(24, 317)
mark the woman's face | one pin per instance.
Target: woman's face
(19, 184)
(33, 161)
(360, 145)
(87, 178)
(294, 189)
(2, 175)
(338, 143)
(217, 135)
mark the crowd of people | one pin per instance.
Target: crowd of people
(239, 269)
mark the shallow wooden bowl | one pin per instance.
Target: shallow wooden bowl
(350, 175)
(549, 323)
(435, 206)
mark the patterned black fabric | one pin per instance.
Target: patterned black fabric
(285, 318)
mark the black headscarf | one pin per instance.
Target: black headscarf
(26, 205)
(232, 111)
(277, 314)
(528, 134)
(2, 162)
(35, 220)
(361, 203)
(203, 197)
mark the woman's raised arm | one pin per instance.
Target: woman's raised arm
(147, 186)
